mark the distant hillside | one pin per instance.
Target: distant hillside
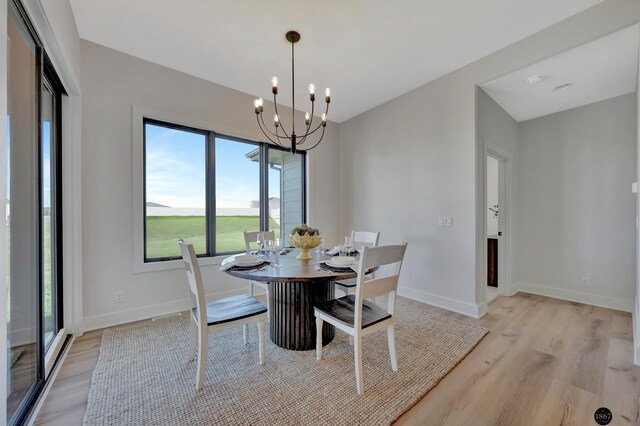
(151, 204)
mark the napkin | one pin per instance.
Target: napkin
(336, 250)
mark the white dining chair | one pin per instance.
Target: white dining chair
(249, 238)
(358, 317)
(360, 239)
(217, 315)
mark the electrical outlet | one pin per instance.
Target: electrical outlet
(118, 296)
(586, 281)
(445, 221)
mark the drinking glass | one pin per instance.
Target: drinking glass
(277, 247)
(270, 248)
(348, 243)
(342, 250)
(260, 241)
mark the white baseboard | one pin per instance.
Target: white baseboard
(465, 308)
(146, 312)
(576, 296)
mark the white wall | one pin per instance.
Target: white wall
(497, 132)
(576, 209)
(112, 84)
(415, 158)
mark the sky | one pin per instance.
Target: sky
(175, 170)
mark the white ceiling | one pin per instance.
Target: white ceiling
(367, 51)
(598, 70)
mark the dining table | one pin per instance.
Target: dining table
(295, 286)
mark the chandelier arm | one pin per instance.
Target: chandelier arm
(322, 123)
(279, 137)
(326, 113)
(267, 128)
(275, 104)
(265, 133)
(306, 132)
(319, 140)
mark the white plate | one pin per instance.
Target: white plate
(244, 260)
(330, 263)
(345, 261)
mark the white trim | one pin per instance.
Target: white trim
(138, 113)
(52, 46)
(53, 351)
(464, 308)
(147, 312)
(636, 339)
(72, 170)
(610, 302)
(505, 190)
(72, 255)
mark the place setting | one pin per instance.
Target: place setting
(268, 254)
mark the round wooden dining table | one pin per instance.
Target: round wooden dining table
(294, 288)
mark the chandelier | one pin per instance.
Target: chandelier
(279, 134)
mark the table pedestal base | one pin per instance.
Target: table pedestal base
(292, 323)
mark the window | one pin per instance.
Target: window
(33, 216)
(207, 189)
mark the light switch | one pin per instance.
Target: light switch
(634, 187)
(445, 221)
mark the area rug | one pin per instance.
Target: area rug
(143, 377)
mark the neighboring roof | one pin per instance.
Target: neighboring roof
(152, 204)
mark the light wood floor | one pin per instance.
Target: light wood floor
(545, 362)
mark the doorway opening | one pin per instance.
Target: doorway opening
(496, 214)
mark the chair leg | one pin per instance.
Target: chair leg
(319, 323)
(193, 339)
(391, 334)
(268, 310)
(250, 288)
(203, 348)
(357, 351)
(245, 332)
(261, 342)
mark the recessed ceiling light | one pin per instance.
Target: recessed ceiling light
(534, 79)
(562, 86)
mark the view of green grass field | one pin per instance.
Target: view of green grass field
(163, 233)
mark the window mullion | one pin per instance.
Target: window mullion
(264, 187)
(210, 188)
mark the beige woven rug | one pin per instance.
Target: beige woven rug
(143, 378)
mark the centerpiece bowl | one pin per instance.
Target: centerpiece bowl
(305, 238)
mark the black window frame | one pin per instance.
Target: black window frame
(210, 184)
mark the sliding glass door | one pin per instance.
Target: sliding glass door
(22, 214)
(33, 216)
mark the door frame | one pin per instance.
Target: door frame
(506, 208)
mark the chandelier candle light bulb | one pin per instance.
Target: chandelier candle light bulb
(279, 133)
